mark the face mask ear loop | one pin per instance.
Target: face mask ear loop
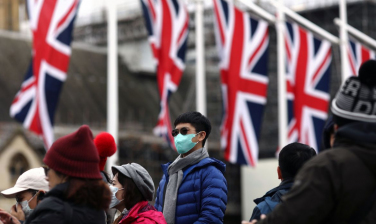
(36, 194)
(196, 135)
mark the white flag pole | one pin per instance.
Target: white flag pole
(358, 34)
(200, 59)
(112, 79)
(281, 56)
(343, 39)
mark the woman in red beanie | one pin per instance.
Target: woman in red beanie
(77, 193)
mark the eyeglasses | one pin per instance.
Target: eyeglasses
(182, 131)
(46, 169)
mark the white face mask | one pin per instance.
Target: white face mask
(114, 200)
(25, 207)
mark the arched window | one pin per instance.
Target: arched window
(18, 165)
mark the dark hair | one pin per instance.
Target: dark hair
(292, 157)
(106, 177)
(89, 192)
(197, 120)
(40, 196)
(131, 194)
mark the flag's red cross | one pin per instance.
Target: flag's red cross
(235, 83)
(302, 98)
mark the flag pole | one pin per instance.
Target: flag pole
(343, 39)
(112, 79)
(282, 99)
(358, 34)
(200, 59)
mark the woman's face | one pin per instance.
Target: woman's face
(27, 196)
(116, 183)
(54, 179)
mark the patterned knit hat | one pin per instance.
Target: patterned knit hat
(75, 155)
(356, 100)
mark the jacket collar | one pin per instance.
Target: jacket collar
(134, 211)
(207, 161)
(285, 185)
(58, 191)
(356, 133)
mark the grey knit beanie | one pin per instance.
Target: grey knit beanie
(140, 176)
(356, 100)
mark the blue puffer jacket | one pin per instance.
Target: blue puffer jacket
(202, 195)
(270, 200)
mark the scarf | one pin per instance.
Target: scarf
(175, 171)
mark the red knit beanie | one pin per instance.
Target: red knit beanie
(75, 155)
(106, 147)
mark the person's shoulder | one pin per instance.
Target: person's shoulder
(151, 217)
(50, 203)
(332, 157)
(211, 164)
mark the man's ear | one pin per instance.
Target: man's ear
(279, 173)
(201, 136)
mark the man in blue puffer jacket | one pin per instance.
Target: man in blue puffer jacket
(193, 188)
(291, 158)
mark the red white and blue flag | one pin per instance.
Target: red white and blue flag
(243, 50)
(308, 77)
(357, 54)
(51, 22)
(167, 24)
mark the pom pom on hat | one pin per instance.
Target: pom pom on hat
(367, 73)
(106, 147)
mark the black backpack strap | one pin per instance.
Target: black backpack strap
(68, 213)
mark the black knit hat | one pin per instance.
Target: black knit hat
(356, 100)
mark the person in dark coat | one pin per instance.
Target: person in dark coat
(193, 188)
(290, 160)
(338, 185)
(77, 193)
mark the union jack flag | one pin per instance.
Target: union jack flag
(243, 50)
(51, 22)
(308, 76)
(167, 25)
(357, 54)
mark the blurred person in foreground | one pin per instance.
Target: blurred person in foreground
(132, 188)
(193, 188)
(28, 191)
(338, 185)
(77, 193)
(291, 158)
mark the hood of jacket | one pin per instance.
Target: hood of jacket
(360, 139)
(141, 211)
(205, 162)
(275, 193)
